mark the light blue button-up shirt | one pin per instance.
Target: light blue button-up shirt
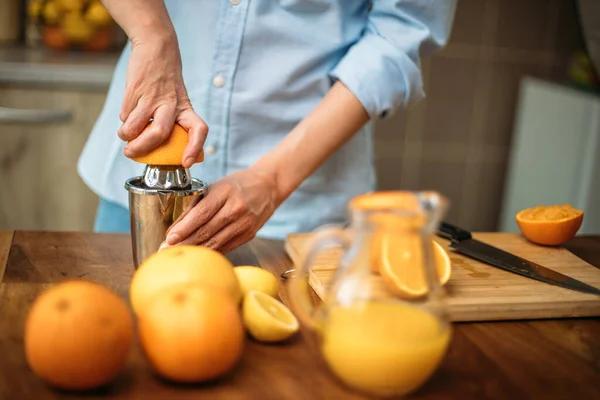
(255, 68)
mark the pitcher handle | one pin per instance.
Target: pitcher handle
(323, 238)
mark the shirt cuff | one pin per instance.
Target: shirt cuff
(380, 75)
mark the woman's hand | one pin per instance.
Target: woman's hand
(237, 206)
(155, 89)
(154, 86)
(234, 209)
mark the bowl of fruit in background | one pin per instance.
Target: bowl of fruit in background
(73, 25)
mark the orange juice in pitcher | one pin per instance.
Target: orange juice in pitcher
(383, 347)
(382, 327)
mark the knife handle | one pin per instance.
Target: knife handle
(453, 232)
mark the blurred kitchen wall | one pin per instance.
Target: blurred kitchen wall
(53, 82)
(458, 140)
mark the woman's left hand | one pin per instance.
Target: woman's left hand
(230, 214)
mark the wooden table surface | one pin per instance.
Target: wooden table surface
(552, 359)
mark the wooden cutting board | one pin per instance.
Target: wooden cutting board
(480, 292)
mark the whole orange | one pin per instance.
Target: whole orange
(182, 264)
(169, 152)
(78, 335)
(191, 333)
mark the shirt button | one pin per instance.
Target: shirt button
(210, 150)
(218, 80)
(235, 2)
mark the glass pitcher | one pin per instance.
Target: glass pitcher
(382, 325)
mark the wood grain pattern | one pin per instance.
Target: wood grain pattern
(555, 359)
(6, 238)
(479, 292)
(39, 260)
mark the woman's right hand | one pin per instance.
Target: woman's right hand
(155, 90)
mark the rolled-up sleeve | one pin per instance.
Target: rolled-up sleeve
(382, 69)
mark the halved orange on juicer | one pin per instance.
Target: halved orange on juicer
(169, 152)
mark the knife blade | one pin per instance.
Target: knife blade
(461, 241)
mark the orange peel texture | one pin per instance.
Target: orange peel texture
(170, 151)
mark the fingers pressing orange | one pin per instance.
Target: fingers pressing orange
(170, 151)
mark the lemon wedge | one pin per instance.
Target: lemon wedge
(256, 278)
(267, 319)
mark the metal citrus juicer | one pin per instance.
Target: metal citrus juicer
(156, 200)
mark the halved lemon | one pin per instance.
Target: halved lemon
(549, 225)
(401, 265)
(267, 319)
(257, 278)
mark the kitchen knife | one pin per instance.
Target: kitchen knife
(462, 242)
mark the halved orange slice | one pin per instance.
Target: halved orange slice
(400, 263)
(549, 225)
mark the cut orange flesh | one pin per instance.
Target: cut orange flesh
(396, 253)
(549, 225)
(399, 261)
